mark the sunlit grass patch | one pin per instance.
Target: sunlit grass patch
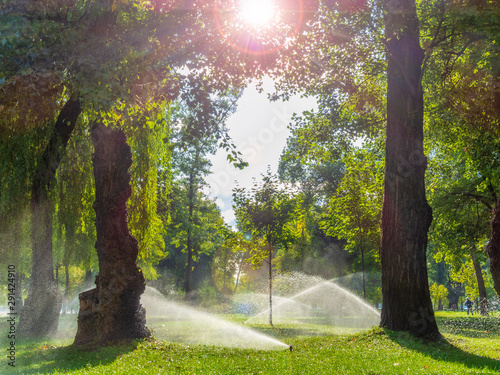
(317, 349)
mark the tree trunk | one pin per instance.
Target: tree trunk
(270, 285)
(363, 264)
(189, 242)
(112, 311)
(406, 215)
(493, 247)
(66, 289)
(483, 298)
(191, 203)
(18, 294)
(189, 267)
(40, 315)
(240, 265)
(15, 261)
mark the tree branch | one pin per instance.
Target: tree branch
(484, 200)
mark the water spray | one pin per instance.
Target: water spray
(177, 322)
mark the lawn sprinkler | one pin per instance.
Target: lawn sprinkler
(291, 348)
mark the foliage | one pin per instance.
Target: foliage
(235, 262)
(462, 130)
(206, 225)
(438, 292)
(354, 212)
(466, 275)
(74, 223)
(266, 211)
(149, 141)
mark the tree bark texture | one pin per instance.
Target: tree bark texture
(483, 298)
(40, 315)
(406, 215)
(112, 311)
(493, 247)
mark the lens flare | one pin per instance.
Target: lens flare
(257, 27)
(257, 13)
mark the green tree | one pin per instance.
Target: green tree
(462, 80)
(438, 293)
(354, 212)
(74, 216)
(129, 42)
(265, 211)
(200, 122)
(344, 56)
(149, 138)
(406, 215)
(459, 191)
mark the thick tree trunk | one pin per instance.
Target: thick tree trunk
(483, 298)
(493, 247)
(40, 315)
(112, 311)
(406, 215)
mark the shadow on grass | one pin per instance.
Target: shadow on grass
(36, 357)
(443, 351)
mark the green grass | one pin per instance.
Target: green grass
(471, 346)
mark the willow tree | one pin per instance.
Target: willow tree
(164, 37)
(37, 94)
(33, 102)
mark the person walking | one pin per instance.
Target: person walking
(468, 303)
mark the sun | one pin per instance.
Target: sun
(257, 13)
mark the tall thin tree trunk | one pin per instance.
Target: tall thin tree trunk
(240, 265)
(270, 284)
(363, 263)
(66, 288)
(189, 266)
(189, 244)
(191, 202)
(493, 247)
(483, 298)
(112, 311)
(40, 314)
(406, 215)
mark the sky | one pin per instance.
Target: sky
(259, 129)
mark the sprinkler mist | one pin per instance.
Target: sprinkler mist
(319, 301)
(176, 322)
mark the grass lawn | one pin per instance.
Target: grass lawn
(471, 346)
